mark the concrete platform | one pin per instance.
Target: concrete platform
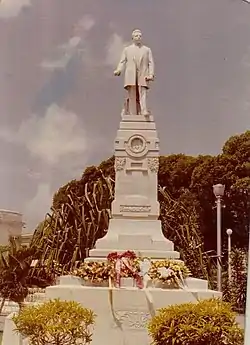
(122, 314)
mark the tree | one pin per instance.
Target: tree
(213, 170)
(238, 211)
(75, 224)
(17, 273)
(239, 147)
(180, 225)
(175, 172)
(231, 168)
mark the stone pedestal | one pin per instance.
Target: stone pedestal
(135, 209)
(10, 335)
(123, 314)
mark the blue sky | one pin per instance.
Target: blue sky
(60, 104)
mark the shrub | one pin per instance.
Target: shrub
(55, 322)
(235, 293)
(207, 322)
(17, 273)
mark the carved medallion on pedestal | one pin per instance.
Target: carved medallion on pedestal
(137, 146)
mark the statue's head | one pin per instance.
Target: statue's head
(136, 36)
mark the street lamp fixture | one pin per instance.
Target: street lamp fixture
(219, 190)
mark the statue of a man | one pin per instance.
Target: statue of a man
(137, 61)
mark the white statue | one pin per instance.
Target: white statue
(137, 61)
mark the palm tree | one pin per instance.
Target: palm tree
(17, 273)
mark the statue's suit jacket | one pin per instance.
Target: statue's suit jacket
(143, 64)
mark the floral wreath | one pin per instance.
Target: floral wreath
(129, 265)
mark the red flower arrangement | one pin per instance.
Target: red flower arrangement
(125, 266)
(130, 255)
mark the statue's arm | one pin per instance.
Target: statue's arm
(151, 66)
(122, 62)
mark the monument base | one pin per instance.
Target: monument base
(142, 236)
(123, 314)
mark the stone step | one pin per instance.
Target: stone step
(195, 283)
(36, 297)
(101, 254)
(137, 118)
(137, 125)
(135, 242)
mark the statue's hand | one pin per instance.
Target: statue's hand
(149, 78)
(117, 73)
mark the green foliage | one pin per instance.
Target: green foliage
(175, 172)
(4, 249)
(235, 293)
(55, 322)
(180, 225)
(71, 230)
(238, 146)
(237, 211)
(208, 322)
(17, 273)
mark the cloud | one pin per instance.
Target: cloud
(57, 134)
(86, 23)
(50, 138)
(58, 148)
(37, 207)
(61, 63)
(73, 46)
(65, 54)
(246, 58)
(12, 8)
(114, 49)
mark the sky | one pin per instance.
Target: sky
(60, 104)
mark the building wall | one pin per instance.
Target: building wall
(26, 239)
(11, 224)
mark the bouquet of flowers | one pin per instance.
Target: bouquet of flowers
(169, 272)
(94, 271)
(125, 265)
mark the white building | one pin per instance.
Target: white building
(11, 224)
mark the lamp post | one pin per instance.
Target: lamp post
(219, 191)
(229, 248)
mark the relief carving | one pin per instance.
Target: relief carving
(153, 164)
(136, 146)
(119, 163)
(132, 319)
(135, 208)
